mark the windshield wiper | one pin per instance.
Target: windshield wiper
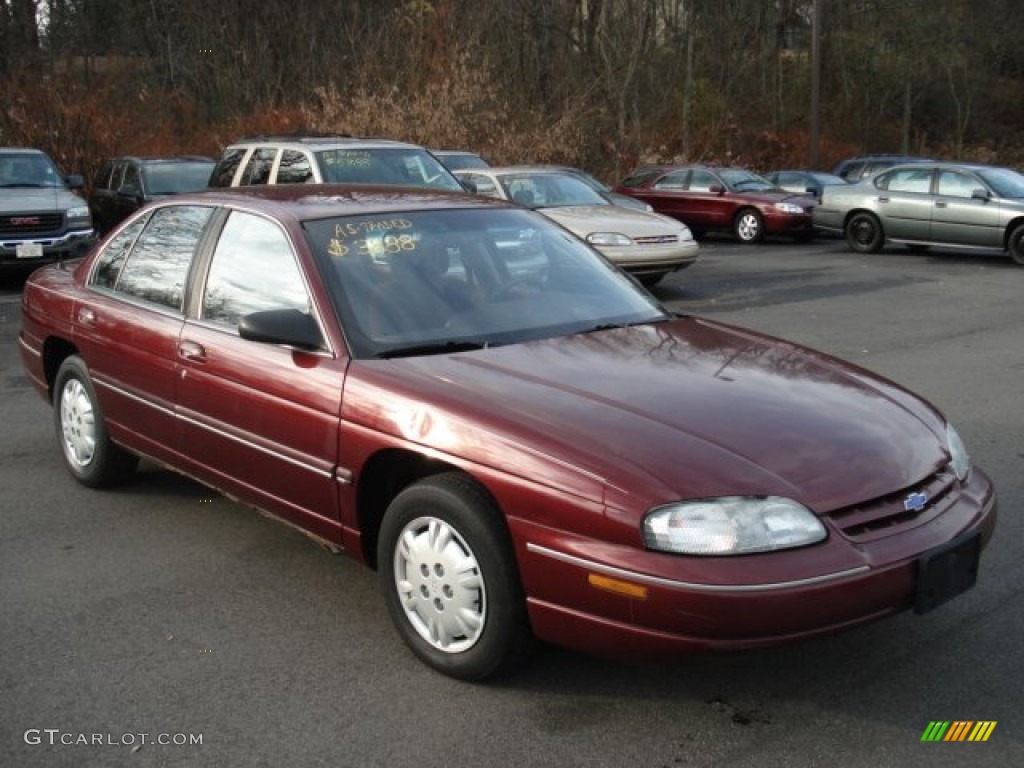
(434, 348)
(616, 326)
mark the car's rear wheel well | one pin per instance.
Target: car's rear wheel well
(55, 351)
(383, 477)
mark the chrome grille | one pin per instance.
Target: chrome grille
(27, 224)
(887, 515)
(657, 239)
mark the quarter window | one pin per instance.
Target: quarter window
(108, 267)
(253, 269)
(157, 269)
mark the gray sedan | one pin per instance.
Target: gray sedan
(949, 204)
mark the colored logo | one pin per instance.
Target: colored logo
(915, 502)
(958, 730)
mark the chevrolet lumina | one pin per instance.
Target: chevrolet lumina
(522, 442)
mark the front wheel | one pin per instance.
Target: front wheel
(748, 226)
(450, 580)
(1015, 244)
(89, 454)
(864, 233)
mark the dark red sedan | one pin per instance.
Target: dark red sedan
(734, 200)
(522, 441)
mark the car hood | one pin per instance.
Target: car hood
(585, 219)
(656, 413)
(37, 199)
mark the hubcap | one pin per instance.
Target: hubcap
(440, 585)
(78, 424)
(748, 227)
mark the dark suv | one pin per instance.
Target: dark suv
(854, 169)
(125, 184)
(40, 217)
(329, 159)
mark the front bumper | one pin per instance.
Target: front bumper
(72, 244)
(571, 603)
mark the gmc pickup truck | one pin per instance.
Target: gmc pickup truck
(41, 218)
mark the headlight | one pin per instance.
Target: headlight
(788, 208)
(958, 454)
(608, 238)
(81, 212)
(685, 234)
(731, 525)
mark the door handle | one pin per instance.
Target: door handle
(883, 199)
(191, 350)
(941, 204)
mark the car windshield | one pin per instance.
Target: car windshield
(548, 190)
(404, 166)
(20, 169)
(745, 181)
(174, 178)
(828, 178)
(447, 280)
(1005, 181)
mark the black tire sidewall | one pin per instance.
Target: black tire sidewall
(463, 506)
(876, 226)
(1015, 244)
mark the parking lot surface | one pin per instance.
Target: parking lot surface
(137, 622)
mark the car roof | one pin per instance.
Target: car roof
(153, 159)
(317, 201)
(23, 150)
(322, 142)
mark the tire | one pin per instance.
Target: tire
(89, 454)
(1015, 244)
(748, 226)
(441, 527)
(864, 233)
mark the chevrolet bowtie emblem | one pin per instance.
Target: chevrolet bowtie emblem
(915, 502)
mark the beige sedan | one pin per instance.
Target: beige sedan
(647, 245)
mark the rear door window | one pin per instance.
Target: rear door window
(258, 169)
(157, 268)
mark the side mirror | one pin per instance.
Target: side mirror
(75, 181)
(716, 189)
(980, 194)
(281, 326)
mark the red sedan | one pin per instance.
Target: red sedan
(731, 200)
(524, 443)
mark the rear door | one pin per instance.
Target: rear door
(905, 202)
(257, 419)
(128, 334)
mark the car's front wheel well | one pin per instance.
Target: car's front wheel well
(383, 477)
(55, 351)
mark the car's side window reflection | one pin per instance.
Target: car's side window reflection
(109, 264)
(953, 184)
(253, 269)
(157, 268)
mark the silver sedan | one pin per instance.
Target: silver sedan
(949, 204)
(645, 244)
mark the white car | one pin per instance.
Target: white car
(647, 245)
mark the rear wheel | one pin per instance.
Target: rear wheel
(450, 580)
(864, 233)
(748, 226)
(89, 454)
(1016, 244)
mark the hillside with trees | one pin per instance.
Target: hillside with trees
(602, 84)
